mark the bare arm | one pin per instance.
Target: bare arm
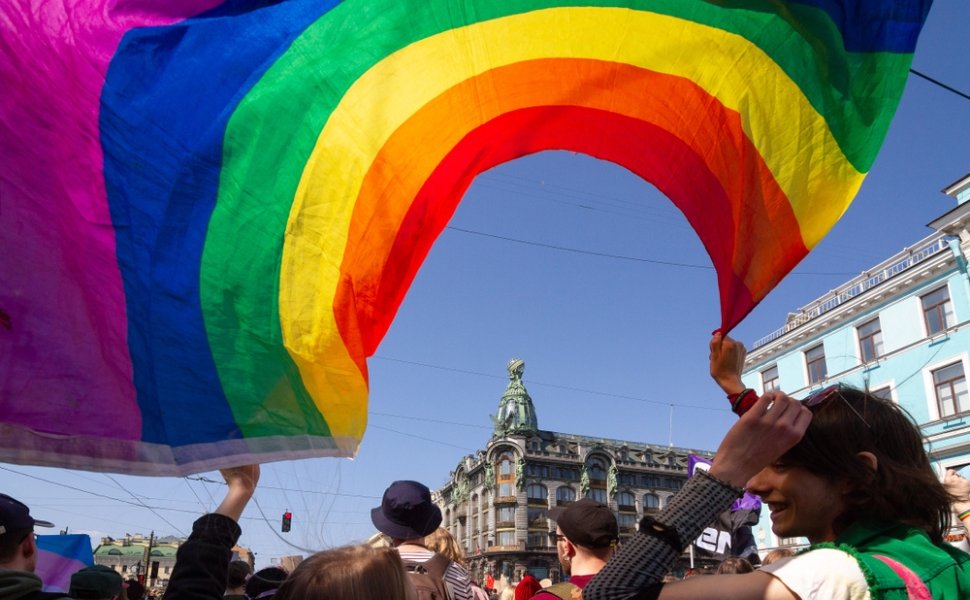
(727, 362)
(241, 482)
(202, 562)
(773, 425)
(959, 488)
(750, 586)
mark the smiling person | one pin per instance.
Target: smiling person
(843, 468)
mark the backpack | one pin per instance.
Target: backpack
(429, 578)
(565, 591)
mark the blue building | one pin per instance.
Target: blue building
(900, 329)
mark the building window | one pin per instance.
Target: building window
(870, 340)
(596, 468)
(565, 495)
(537, 494)
(951, 390)
(506, 475)
(537, 518)
(815, 361)
(885, 392)
(651, 502)
(627, 522)
(505, 516)
(937, 310)
(505, 538)
(769, 379)
(626, 501)
(506, 464)
(538, 539)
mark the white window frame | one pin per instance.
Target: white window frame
(808, 371)
(922, 311)
(929, 385)
(777, 378)
(882, 342)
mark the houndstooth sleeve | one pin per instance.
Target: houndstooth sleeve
(642, 561)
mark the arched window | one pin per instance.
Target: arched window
(651, 502)
(537, 493)
(626, 501)
(565, 495)
(596, 469)
(506, 474)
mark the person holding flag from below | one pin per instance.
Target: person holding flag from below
(18, 552)
(843, 468)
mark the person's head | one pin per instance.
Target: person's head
(776, 555)
(239, 571)
(527, 587)
(349, 573)
(98, 582)
(441, 541)
(264, 583)
(584, 528)
(861, 457)
(18, 550)
(406, 512)
(134, 590)
(734, 565)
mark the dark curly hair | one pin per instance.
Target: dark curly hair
(903, 488)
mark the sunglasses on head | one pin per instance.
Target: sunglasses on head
(817, 398)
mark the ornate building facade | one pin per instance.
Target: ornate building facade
(497, 501)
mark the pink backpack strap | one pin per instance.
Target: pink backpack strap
(915, 588)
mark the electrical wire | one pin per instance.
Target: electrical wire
(620, 256)
(551, 385)
(940, 83)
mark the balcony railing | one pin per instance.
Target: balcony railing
(899, 263)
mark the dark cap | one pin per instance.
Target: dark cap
(406, 511)
(96, 582)
(15, 516)
(586, 523)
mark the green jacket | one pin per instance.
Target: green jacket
(944, 569)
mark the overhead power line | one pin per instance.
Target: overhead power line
(940, 83)
(616, 256)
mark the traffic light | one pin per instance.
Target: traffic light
(287, 516)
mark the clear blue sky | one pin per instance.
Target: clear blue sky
(610, 344)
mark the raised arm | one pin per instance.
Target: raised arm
(773, 425)
(959, 488)
(202, 562)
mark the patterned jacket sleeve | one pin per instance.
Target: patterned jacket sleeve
(202, 562)
(637, 570)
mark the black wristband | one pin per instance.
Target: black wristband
(662, 531)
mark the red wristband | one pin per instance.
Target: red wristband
(742, 401)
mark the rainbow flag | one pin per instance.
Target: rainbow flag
(211, 211)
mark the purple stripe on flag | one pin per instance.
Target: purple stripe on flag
(59, 557)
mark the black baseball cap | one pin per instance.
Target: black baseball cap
(15, 516)
(586, 523)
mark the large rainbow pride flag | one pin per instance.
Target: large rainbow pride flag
(211, 211)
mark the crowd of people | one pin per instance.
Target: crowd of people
(843, 468)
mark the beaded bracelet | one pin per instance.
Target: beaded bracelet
(739, 491)
(965, 515)
(742, 401)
